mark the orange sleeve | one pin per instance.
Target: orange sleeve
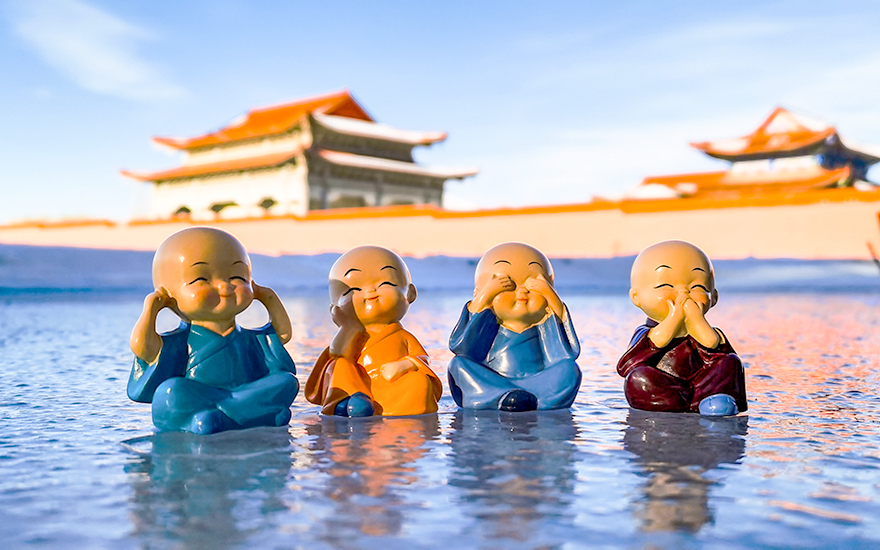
(416, 351)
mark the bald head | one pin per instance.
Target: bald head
(665, 271)
(519, 260)
(367, 262)
(679, 255)
(193, 246)
(377, 282)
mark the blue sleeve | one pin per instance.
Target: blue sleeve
(144, 378)
(558, 339)
(277, 358)
(638, 334)
(472, 337)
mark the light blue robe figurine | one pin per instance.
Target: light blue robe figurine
(514, 344)
(491, 361)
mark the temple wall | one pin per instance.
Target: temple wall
(285, 185)
(819, 230)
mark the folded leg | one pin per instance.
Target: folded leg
(555, 387)
(411, 393)
(726, 376)
(650, 389)
(338, 379)
(259, 403)
(475, 386)
(178, 401)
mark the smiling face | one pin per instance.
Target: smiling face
(520, 262)
(207, 272)
(377, 282)
(664, 271)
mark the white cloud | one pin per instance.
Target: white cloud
(95, 49)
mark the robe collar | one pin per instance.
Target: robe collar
(389, 329)
(208, 334)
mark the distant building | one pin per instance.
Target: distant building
(312, 154)
(788, 153)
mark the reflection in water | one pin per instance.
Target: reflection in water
(371, 462)
(675, 451)
(808, 477)
(196, 489)
(515, 469)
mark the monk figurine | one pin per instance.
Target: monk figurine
(514, 345)
(210, 375)
(372, 366)
(677, 361)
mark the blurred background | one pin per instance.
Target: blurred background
(555, 103)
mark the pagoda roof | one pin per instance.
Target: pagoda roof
(277, 159)
(215, 168)
(715, 183)
(782, 133)
(387, 165)
(273, 120)
(355, 127)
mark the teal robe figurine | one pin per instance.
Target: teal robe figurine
(210, 375)
(203, 382)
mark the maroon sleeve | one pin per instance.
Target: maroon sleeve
(723, 349)
(641, 352)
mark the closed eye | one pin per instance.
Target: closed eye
(236, 277)
(197, 279)
(701, 287)
(663, 285)
(350, 290)
(389, 283)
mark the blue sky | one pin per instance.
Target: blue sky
(555, 102)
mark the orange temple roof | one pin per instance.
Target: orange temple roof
(236, 165)
(782, 132)
(273, 120)
(715, 183)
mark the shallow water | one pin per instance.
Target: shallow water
(81, 467)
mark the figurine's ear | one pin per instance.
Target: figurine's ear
(411, 293)
(633, 295)
(714, 298)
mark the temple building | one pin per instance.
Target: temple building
(787, 154)
(312, 154)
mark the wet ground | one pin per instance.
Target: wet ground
(82, 468)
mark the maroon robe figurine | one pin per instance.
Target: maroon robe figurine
(677, 361)
(678, 376)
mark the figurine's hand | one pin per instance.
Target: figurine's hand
(344, 316)
(692, 312)
(697, 326)
(395, 369)
(676, 308)
(496, 285)
(263, 293)
(145, 342)
(159, 299)
(540, 285)
(277, 314)
(350, 337)
(672, 325)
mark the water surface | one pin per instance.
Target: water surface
(82, 468)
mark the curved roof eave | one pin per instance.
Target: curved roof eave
(387, 165)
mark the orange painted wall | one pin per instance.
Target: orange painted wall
(834, 224)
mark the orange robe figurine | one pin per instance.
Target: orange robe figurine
(373, 366)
